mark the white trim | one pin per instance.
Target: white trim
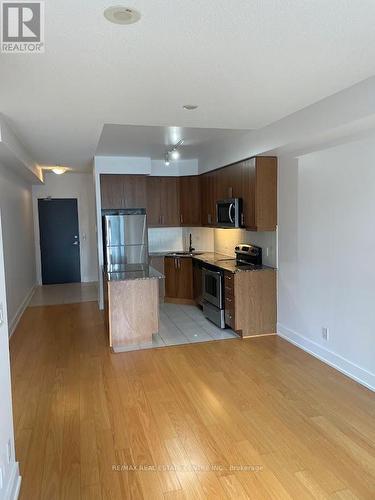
(14, 483)
(341, 364)
(15, 320)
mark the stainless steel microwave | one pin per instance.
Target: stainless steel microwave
(229, 212)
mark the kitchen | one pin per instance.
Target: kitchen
(200, 288)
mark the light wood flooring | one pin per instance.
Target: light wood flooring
(253, 418)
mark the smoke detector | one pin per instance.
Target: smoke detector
(122, 15)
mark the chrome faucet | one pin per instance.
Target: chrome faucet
(191, 249)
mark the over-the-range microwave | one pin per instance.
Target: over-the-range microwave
(229, 212)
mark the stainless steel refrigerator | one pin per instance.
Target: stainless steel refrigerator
(125, 237)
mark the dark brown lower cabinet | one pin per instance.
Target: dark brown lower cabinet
(178, 278)
(250, 302)
(197, 282)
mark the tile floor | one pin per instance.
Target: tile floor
(68, 293)
(184, 324)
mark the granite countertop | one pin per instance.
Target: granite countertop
(228, 263)
(225, 262)
(128, 272)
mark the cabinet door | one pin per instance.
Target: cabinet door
(170, 201)
(190, 201)
(204, 199)
(184, 278)
(234, 180)
(209, 197)
(112, 194)
(223, 181)
(266, 193)
(248, 193)
(170, 271)
(153, 201)
(134, 191)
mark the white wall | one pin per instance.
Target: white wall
(326, 255)
(349, 112)
(10, 472)
(18, 231)
(72, 185)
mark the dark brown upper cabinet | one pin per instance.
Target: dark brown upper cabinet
(123, 191)
(163, 201)
(259, 196)
(229, 182)
(190, 201)
(208, 198)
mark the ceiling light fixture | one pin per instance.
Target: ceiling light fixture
(59, 170)
(190, 107)
(173, 153)
(122, 15)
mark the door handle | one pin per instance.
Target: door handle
(230, 212)
(76, 243)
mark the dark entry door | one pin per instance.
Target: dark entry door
(59, 241)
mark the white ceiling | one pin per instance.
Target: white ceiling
(153, 142)
(246, 63)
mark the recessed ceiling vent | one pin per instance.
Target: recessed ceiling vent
(122, 15)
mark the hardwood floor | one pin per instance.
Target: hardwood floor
(301, 428)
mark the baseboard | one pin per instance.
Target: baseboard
(341, 364)
(15, 320)
(14, 484)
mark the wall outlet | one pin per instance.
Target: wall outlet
(9, 451)
(325, 333)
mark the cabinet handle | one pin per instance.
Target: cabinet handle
(181, 219)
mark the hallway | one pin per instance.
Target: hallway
(193, 415)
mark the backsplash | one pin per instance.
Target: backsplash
(203, 238)
(164, 239)
(227, 239)
(169, 239)
(177, 238)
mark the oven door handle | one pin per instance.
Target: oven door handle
(231, 206)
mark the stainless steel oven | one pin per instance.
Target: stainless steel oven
(213, 297)
(229, 212)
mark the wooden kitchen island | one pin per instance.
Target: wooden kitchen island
(131, 298)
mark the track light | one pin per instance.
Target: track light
(173, 153)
